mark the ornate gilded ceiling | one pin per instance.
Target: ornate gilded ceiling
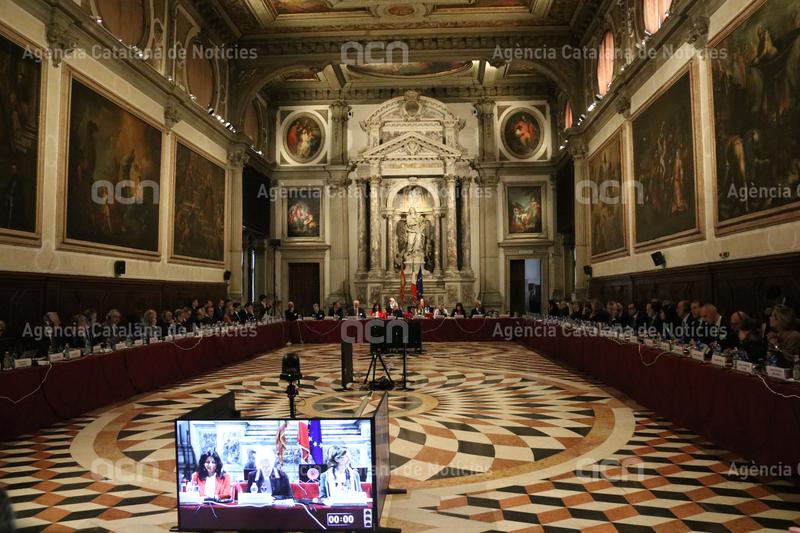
(335, 18)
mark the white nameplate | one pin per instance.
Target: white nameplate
(330, 318)
(53, 357)
(615, 335)
(308, 318)
(23, 363)
(665, 345)
(255, 498)
(42, 362)
(138, 342)
(458, 316)
(678, 350)
(74, 354)
(154, 340)
(169, 338)
(719, 360)
(698, 355)
(97, 348)
(778, 372)
(179, 336)
(505, 315)
(744, 366)
(192, 497)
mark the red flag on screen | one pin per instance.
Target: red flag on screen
(302, 440)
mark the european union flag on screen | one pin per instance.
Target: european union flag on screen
(315, 441)
(419, 283)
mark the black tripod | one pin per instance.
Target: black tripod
(292, 392)
(377, 357)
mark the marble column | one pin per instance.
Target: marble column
(577, 148)
(260, 246)
(452, 255)
(237, 157)
(375, 226)
(340, 113)
(391, 220)
(466, 239)
(485, 111)
(361, 191)
(437, 221)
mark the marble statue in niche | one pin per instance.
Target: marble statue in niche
(414, 231)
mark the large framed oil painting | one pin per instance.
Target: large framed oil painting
(113, 175)
(304, 137)
(665, 180)
(524, 210)
(607, 206)
(303, 213)
(521, 133)
(755, 71)
(20, 139)
(199, 207)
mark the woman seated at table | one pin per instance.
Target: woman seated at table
(267, 478)
(750, 341)
(211, 479)
(459, 310)
(340, 479)
(377, 312)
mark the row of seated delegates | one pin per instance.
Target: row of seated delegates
(266, 477)
(694, 320)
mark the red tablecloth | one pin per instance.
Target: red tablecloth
(734, 410)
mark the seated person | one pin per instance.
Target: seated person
(211, 479)
(357, 310)
(291, 313)
(440, 311)
(336, 310)
(477, 309)
(377, 312)
(52, 339)
(267, 478)
(459, 311)
(394, 310)
(423, 308)
(784, 337)
(247, 314)
(79, 334)
(317, 313)
(340, 479)
(750, 340)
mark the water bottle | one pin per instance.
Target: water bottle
(8, 361)
(195, 487)
(772, 359)
(796, 370)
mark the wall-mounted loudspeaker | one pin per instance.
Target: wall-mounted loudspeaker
(587, 269)
(658, 259)
(226, 276)
(119, 268)
(275, 243)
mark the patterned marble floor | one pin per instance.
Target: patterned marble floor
(493, 438)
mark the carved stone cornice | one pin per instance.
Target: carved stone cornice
(375, 94)
(61, 40)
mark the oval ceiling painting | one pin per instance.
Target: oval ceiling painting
(411, 70)
(522, 134)
(304, 137)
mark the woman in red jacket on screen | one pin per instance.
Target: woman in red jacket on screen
(211, 479)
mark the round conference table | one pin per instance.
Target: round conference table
(754, 416)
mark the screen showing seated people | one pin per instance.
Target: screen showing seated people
(295, 475)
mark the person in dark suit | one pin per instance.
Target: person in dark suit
(459, 310)
(357, 310)
(52, 338)
(715, 328)
(266, 478)
(317, 313)
(291, 313)
(477, 309)
(394, 309)
(247, 314)
(336, 310)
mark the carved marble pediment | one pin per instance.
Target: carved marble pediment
(412, 146)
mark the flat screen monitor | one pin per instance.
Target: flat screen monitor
(279, 475)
